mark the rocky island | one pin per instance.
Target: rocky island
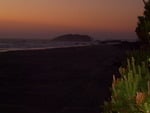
(73, 38)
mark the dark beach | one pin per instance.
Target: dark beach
(62, 80)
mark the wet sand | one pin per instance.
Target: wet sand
(62, 80)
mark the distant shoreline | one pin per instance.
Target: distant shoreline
(46, 48)
(29, 45)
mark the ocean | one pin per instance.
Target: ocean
(30, 44)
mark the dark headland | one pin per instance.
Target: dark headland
(62, 80)
(73, 37)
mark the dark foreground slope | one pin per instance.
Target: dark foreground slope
(67, 80)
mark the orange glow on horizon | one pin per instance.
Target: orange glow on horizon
(64, 15)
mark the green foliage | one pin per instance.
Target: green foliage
(143, 26)
(131, 92)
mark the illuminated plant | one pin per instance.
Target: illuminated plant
(130, 92)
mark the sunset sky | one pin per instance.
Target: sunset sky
(102, 19)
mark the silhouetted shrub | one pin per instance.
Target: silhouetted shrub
(143, 26)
